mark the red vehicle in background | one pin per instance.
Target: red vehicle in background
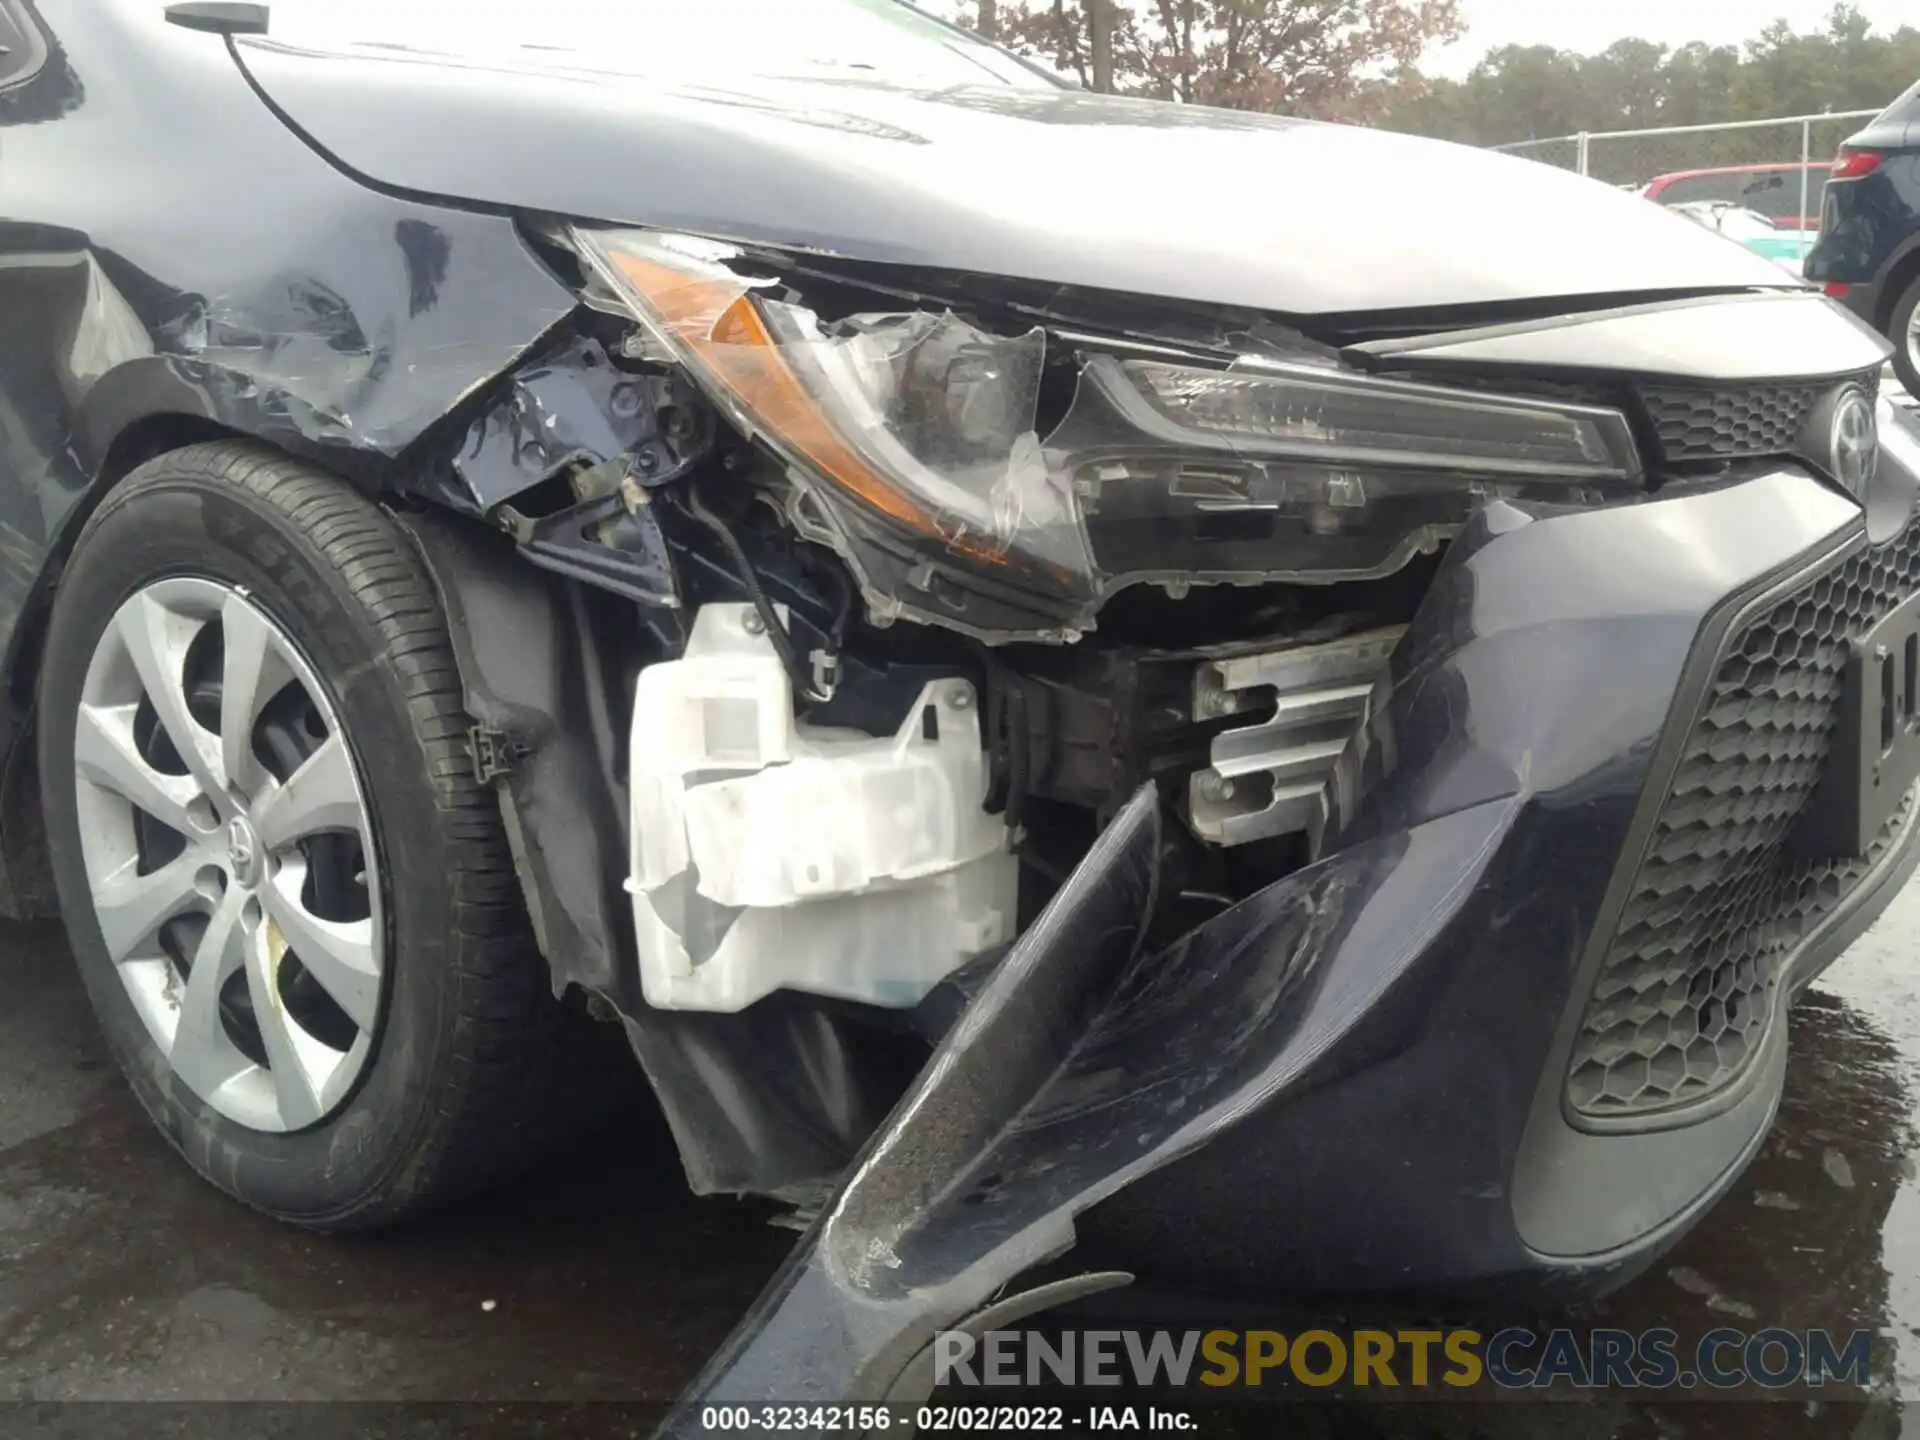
(1772, 190)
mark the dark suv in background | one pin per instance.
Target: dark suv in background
(1868, 255)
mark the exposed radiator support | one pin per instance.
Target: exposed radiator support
(1271, 778)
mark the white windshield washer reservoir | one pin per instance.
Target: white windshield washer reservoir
(768, 854)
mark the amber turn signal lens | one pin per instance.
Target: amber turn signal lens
(718, 324)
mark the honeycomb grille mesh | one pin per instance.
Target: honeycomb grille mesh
(1687, 988)
(1728, 424)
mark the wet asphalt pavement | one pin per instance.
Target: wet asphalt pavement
(124, 1278)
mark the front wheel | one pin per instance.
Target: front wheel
(1904, 332)
(291, 902)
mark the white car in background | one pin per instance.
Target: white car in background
(1751, 229)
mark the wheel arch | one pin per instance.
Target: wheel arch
(1902, 272)
(149, 405)
(137, 407)
(26, 882)
(143, 438)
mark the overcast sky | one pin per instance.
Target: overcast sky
(1587, 27)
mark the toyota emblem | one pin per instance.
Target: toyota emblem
(1855, 442)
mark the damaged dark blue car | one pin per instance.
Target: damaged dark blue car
(1088, 705)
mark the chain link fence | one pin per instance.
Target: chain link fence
(1796, 151)
(1794, 154)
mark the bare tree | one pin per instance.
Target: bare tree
(1100, 43)
(989, 22)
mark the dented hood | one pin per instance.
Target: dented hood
(1059, 186)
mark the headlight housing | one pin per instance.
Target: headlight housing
(912, 438)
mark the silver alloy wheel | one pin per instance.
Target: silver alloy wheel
(1913, 338)
(263, 995)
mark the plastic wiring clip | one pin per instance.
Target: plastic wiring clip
(494, 752)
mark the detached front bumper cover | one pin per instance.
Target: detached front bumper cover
(1083, 1064)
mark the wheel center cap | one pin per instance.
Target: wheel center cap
(243, 852)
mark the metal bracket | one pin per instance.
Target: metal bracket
(1269, 778)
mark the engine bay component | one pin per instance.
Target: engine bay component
(570, 406)
(1270, 778)
(772, 854)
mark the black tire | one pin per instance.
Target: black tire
(442, 1105)
(1906, 364)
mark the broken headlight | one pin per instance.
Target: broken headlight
(913, 439)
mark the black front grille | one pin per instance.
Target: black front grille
(1689, 983)
(1728, 423)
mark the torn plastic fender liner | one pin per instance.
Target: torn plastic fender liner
(1083, 1064)
(533, 679)
(775, 1100)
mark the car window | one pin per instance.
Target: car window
(1700, 187)
(683, 38)
(22, 48)
(1776, 193)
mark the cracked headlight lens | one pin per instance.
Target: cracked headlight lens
(914, 440)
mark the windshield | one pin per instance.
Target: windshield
(693, 39)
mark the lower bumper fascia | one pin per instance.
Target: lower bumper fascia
(1608, 1204)
(1086, 1063)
